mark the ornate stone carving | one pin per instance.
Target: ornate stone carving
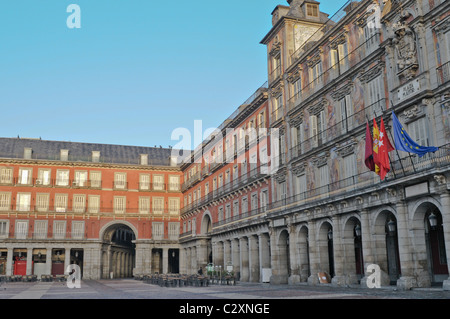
(321, 160)
(440, 179)
(412, 112)
(341, 92)
(404, 41)
(296, 121)
(318, 107)
(276, 48)
(340, 39)
(391, 192)
(367, 76)
(299, 169)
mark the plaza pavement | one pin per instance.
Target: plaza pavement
(133, 289)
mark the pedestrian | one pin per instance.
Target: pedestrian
(200, 271)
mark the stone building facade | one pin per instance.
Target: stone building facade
(280, 192)
(113, 210)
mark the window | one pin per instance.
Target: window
(119, 204)
(42, 201)
(278, 108)
(144, 205)
(254, 201)
(244, 206)
(96, 179)
(301, 184)
(343, 56)
(158, 182)
(236, 208)
(174, 231)
(77, 230)
(64, 155)
(80, 179)
(228, 211)
(61, 203)
(144, 182)
(25, 176)
(95, 156)
(315, 74)
(157, 230)
(174, 183)
(370, 35)
(318, 129)
(346, 112)
(79, 203)
(418, 131)
(59, 229)
(262, 120)
(4, 226)
(43, 177)
(324, 176)
(143, 159)
(6, 175)
(5, 201)
(264, 199)
(62, 177)
(27, 153)
(40, 229)
(94, 204)
(120, 180)
(21, 229)
(220, 216)
(174, 206)
(158, 205)
(281, 191)
(375, 89)
(297, 87)
(312, 10)
(23, 202)
(350, 166)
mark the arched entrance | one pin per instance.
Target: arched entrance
(429, 234)
(118, 251)
(326, 250)
(352, 244)
(206, 229)
(303, 253)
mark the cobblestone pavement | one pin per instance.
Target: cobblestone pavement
(133, 289)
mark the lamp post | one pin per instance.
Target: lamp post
(391, 226)
(358, 230)
(433, 220)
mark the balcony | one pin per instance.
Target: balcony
(365, 181)
(336, 130)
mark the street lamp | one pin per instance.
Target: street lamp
(330, 234)
(358, 230)
(433, 220)
(391, 226)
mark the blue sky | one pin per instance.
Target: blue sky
(135, 71)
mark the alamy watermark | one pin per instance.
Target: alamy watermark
(74, 278)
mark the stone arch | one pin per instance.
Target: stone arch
(118, 249)
(386, 251)
(429, 243)
(352, 249)
(325, 246)
(206, 224)
(302, 251)
(108, 230)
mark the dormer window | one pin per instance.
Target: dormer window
(64, 155)
(312, 10)
(95, 156)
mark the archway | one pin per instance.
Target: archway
(429, 237)
(353, 254)
(303, 253)
(387, 253)
(284, 256)
(118, 250)
(206, 229)
(326, 248)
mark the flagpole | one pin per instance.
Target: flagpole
(409, 154)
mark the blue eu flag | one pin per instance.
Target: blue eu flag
(403, 142)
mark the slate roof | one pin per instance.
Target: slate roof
(82, 152)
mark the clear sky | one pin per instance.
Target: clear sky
(134, 71)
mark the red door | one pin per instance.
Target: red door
(20, 267)
(58, 268)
